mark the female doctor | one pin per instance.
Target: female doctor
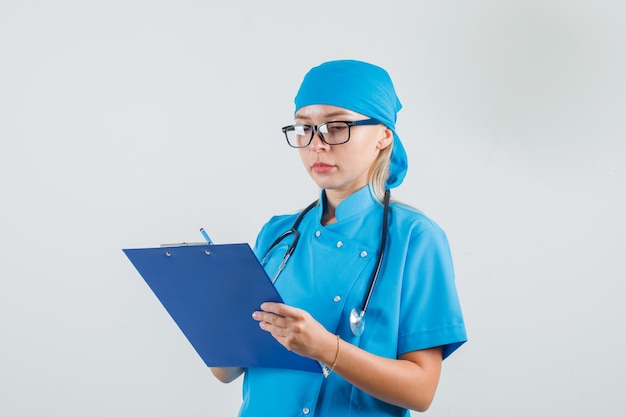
(368, 284)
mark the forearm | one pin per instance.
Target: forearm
(227, 375)
(409, 382)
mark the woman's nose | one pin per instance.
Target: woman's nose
(317, 143)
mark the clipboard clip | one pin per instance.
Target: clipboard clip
(172, 245)
(206, 237)
(204, 234)
(183, 244)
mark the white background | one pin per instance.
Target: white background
(133, 123)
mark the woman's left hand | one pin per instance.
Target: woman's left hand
(295, 329)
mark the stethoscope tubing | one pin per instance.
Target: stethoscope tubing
(381, 252)
(292, 247)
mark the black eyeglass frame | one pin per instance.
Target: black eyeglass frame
(315, 128)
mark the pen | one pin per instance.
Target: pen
(206, 236)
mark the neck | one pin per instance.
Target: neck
(332, 201)
(328, 219)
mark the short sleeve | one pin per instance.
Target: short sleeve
(430, 311)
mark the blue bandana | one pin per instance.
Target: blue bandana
(363, 88)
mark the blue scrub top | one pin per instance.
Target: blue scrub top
(414, 305)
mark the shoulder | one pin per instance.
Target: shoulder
(410, 219)
(281, 222)
(274, 227)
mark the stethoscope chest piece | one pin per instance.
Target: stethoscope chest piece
(357, 321)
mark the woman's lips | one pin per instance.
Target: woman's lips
(321, 167)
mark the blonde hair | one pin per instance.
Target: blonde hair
(379, 173)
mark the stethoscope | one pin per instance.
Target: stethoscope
(357, 315)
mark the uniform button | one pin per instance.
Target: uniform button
(337, 298)
(339, 244)
(363, 254)
(318, 233)
(306, 410)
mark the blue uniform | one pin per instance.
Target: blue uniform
(414, 305)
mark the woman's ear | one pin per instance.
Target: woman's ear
(385, 139)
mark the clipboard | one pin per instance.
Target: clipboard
(210, 291)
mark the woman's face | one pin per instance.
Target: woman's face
(341, 169)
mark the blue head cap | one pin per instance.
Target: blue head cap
(363, 88)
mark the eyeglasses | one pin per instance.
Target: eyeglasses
(331, 133)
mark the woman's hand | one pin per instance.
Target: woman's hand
(409, 381)
(296, 330)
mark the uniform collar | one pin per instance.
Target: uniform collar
(359, 202)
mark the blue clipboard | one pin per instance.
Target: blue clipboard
(211, 291)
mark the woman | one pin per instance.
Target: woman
(384, 361)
